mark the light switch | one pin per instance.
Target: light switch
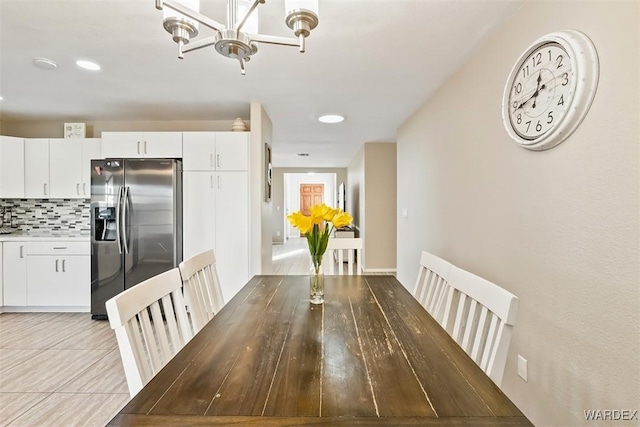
(522, 367)
(405, 213)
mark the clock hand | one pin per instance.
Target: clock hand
(535, 94)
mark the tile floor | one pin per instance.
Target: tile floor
(64, 369)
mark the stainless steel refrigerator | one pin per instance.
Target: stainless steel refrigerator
(136, 224)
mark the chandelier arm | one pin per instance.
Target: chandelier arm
(209, 41)
(238, 25)
(204, 20)
(282, 41)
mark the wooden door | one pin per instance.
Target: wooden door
(310, 195)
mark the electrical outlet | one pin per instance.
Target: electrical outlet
(278, 233)
(522, 367)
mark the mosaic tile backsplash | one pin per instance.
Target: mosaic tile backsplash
(46, 214)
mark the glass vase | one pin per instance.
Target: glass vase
(316, 284)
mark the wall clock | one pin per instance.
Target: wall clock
(550, 89)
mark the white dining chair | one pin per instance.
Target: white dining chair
(480, 316)
(432, 286)
(202, 290)
(352, 247)
(151, 326)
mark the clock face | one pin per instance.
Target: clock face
(541, 92)
(550, 89)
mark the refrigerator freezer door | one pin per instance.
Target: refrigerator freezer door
(150, 218)
(107, 272)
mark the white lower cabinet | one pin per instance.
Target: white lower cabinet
(14, 274)
(216, 216)
(1, 281)
(53, 275)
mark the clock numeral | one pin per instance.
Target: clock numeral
(528, 124)
(565, 79)
(525, 71)
(536, 60)
(515, 105)
(518, 88)
(549, 51)
(559, 59)
(561, 100)
(550, 117)
(519, 118)
(538, 126)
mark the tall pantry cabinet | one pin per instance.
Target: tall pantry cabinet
(216, 203)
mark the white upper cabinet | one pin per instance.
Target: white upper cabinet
(11, 167)
(222, 151)
(36, 168)
(232, 151)
(65, 160)
(91, 150)
(69, 167)
(141, 144)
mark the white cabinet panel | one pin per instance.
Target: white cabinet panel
(1, 281)
(232, 151)
(198, 151)
(65, 160)
(91, 149)
(222, 151)
(232, 231)
(141, 144)
(216, 216)
(11, 167)
(36, 170)
(199, 209)
(14, 276)
(58, 281)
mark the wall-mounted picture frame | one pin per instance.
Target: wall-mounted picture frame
(268, 172)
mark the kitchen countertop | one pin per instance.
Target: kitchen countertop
(47, 235)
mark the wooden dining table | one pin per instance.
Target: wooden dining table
(370, 355)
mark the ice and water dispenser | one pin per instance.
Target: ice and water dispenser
(105, 226)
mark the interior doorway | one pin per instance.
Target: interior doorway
(293, 199)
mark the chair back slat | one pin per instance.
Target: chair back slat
(431, 288)
(203, 293)
(353, 249)
(484, 318)
(150, 323)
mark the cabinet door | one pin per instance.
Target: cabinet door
(162, 145)
(232, 151)
(14, 277)
(122, 145)
(198, 151)
(44, 281)
(11, 167)
(232, 231)
(36, 168)
(91, 149)
(76, 283)
(65, 164)
(198, 212)
(1, 280)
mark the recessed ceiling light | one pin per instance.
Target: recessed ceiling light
(1, 98)
(88, 65)
(331, 118)
(45, 63)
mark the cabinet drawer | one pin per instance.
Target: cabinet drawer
(59, 248)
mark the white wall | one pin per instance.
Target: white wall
(559, 228)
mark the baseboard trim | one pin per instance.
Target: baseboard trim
(46, 309)
(379, 270)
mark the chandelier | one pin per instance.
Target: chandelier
(238, 38)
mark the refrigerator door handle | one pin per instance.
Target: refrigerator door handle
(125, 202)
(118, 236)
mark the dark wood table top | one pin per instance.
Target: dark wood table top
(369, 355)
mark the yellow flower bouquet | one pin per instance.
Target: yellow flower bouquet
(317, 228)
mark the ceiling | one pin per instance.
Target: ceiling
(374, 61)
